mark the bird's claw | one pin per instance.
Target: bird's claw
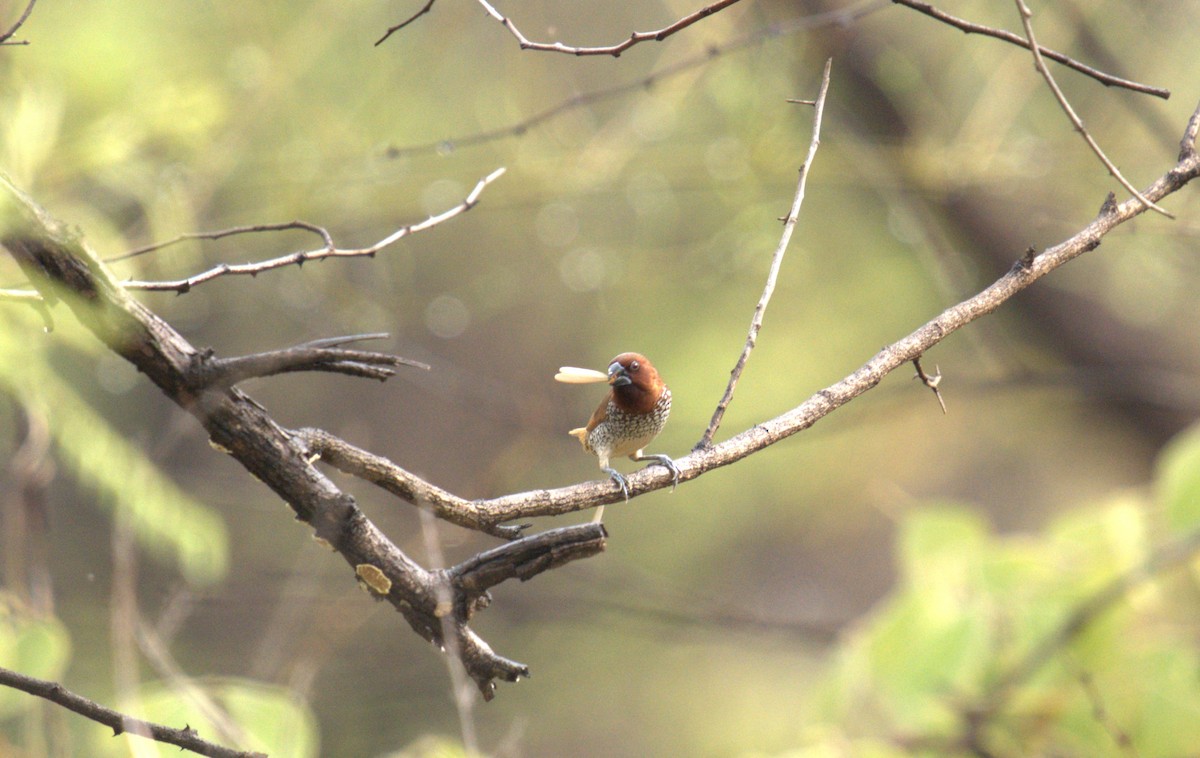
(664, 460)
(620, 481)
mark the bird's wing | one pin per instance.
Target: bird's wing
(599, 414)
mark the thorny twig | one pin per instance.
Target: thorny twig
(789, 224)
(613, 50)
(930, 380)
(1040, 65)
(300, 258)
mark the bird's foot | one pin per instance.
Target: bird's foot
(663, 460)
(620, 481)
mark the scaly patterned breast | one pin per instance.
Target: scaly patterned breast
(622, 433)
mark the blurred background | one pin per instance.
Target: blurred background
(722, 617)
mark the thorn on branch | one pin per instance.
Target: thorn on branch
(1109, 206)
(1026, 261)
(931, 381)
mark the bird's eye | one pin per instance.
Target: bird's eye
(634, 365)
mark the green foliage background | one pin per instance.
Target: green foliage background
(856, 590)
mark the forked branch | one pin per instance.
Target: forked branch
(62, 269)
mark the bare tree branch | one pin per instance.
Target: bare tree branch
(1040, 65)
(185, 738)
(613, 50)
(300, 258)
(320, 231)
(837, 18)
(393, 29)
(211, 372)
(6, 37)
(968, 27)
(62, 269)
(387, 475)
(1028, 269)
(789, 224)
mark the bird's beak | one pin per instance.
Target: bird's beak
(617, 375)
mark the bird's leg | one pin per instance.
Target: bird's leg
(662, 460)
(619, 479)
(616, 477)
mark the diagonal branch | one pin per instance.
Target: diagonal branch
(789, 225)
(968, 27)
(6, 37)
(393, 29)
(486, 514)
(613, 50)
(185, 738)
(1040, 65)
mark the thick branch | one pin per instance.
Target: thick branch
(184, 739)
(383, 473)
(62, 269)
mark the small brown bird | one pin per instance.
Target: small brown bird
(629, 418)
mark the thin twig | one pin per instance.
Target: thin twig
(789, 224)
(300, 258)
(1040, 65)
(930, 380)
(393, 29)
(255, 228)
(613, 50)
(969, 27)
(185, 738)
(838, 18)
(1100, 713)
(6, 37)
(460, 684)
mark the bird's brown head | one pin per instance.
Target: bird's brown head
(636, 385)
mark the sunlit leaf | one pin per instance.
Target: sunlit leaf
(1179, 480)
